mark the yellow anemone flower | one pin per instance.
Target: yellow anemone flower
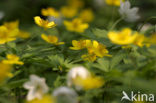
(51, 39)
(68, 11)
(113, 2)
(94, 49)
(97, 49)
(44, 23)
(12, 59)
(76, 25)
(50, 12)
(90, 82)
(5, 71)
(45, 99)
(139, 41)
(12, 25)
(125, 37)
(86, 15)
(78, 45)
(6, 35)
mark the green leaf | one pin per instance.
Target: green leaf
(117, 59)
(103, 64)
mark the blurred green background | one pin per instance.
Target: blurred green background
(25, 10)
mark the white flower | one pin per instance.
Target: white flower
(77, 72)
(1, 15)
(129, 14)
(36, 86)
(65, 95)
(144, 27)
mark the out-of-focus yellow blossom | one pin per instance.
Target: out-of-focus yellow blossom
(87, 15)
(139, 41)
(12, 59)
(124, 37)
(68, 11)
(4, 71)
(76, 3)
(113, 2)
(44, 23)
(45, 99)
(89, 57)
(51, 39)
(78, 45)
(6, 35)
(23, 34)
(13, 27)
(50, 12)
(89, 82)
(76, 25)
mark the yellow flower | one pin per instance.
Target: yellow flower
(87, 15)
(50, 12)
(51, 39)
(90, 82)
(68, 11)
(76, 25)
(97, 49)
(45, 99)
(139, 41)
(78, 45)
(23, 34)
(12, 59)
(44, 23)
(76, 3)
(13, 27)
(5, 71)
(113, 2)
(94, 49)
(124, 37)
(89, 57)
(6, 35)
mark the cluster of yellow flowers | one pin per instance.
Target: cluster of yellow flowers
(9, 31)
(126, 37)
(46, 24)
(94, 49)
(6, 65)
(78, 24)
